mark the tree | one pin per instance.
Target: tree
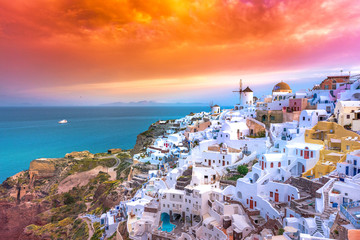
(68, 199)
(242, 169)
(281, 231)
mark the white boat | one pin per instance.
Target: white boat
(63, 121)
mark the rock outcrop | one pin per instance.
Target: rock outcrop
(41, 168)
(148, 137)
(14, 218)
(79, 155)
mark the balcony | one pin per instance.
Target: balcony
(352, 212)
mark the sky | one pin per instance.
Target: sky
(90, 52)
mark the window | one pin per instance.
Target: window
(272, 165)
(348, 116)
(355, 162)
(279, 164)
(271, 194)
(301, 153)
(347, 147)
(303, 118)
(312, 154)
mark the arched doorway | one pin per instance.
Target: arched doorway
(255, 177)
(300, 168)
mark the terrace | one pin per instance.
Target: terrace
(352, 212)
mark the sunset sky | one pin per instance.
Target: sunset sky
(90, 52)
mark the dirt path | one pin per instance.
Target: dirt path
(90, 226)
(82, 178)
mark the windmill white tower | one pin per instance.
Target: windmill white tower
(245, 96)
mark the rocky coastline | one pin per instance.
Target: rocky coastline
(47, 200)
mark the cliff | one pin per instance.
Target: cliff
(41, 168)
(148, 137)
(45, 202)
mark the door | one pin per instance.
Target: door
(262, 165)
(306, 155)
(223, 163)
(276, 197)
(251, 204)
(209, 162)
(347, 171)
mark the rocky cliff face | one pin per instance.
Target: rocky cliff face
(148, 137)
(15, 217)
(41, 168)
(38, 208)
(79, 155)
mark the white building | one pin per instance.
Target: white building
(348, 113)
(309, 118)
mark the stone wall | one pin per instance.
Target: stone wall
(267, 116)
(305, 185)
(255, 127)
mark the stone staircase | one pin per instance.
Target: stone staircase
(327, 209)
(318, 222)
(184, 179)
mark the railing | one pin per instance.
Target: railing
(351, 218)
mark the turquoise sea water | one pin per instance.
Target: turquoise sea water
(27, 133)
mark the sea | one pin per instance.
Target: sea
(28, 133)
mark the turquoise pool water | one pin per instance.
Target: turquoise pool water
(166, 225)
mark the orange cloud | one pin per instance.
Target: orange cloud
(61, 43)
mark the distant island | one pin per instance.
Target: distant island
(153, 104)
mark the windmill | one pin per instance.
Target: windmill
(240, 91)
(211, 104)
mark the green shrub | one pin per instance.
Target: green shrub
(242, 169)
(68, 199)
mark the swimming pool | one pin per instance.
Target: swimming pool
(166, 225)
